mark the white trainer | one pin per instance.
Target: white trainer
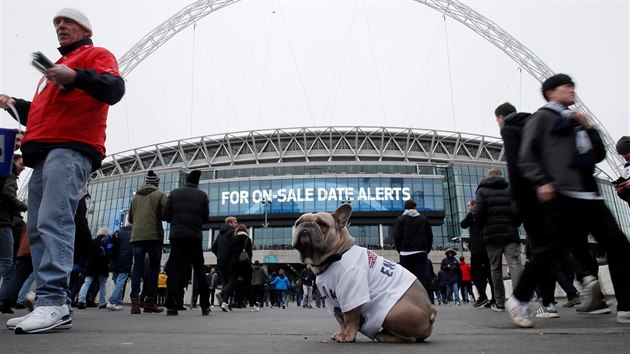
(113, 307)
(518, 312)
(44, 318)
(12, 322)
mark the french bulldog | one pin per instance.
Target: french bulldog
(365, 292)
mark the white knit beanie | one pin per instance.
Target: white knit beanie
(75, 15)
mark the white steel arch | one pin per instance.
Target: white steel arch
(454, 9)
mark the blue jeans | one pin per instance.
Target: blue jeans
(54, 190)
(452, 289)
(140, 249)
(102, 292)
(26, 287)
(6, 251)
(119, 284)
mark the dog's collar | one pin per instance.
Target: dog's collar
(330, 260)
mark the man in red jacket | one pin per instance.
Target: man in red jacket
(64, 143)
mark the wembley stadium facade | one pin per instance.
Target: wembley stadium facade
(267, 178)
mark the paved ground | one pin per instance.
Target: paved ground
(459, 329)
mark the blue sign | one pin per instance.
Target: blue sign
(270, 259)
(299, 195)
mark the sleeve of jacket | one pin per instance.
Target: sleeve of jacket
(9, 197)
(167, 211)
(599, 149)
(248, 247)
(467, 221)
(215, 246)
(530, 154)
(205, 213)
(398, 233)
(429, 234)
(479, 212)
(444, 265)
(130, 218)
(22, 107)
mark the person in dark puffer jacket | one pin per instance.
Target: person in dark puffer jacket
(494, 214)
(187, 209)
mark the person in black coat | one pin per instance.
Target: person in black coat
(221, 248)
(479, 261)
(241, 243)
(526, 202)
(97, 267)
(450, 276)
(413, 239)
(120, 266)
(187, 209)
(82, 246)
(494, 214)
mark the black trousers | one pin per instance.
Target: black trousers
(416, 264)
(568, 223)
(184, 253)
(480, 274)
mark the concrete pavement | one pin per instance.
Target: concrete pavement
(458, 329)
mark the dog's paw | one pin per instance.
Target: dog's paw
(335, 335)
(345, 337)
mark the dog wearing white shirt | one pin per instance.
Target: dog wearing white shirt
(365, 292)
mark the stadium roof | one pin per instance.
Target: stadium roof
(315, 144)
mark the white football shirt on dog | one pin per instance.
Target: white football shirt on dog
(363, 278)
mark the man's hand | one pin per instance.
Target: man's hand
(5, 101)
(582, 120)
(623, 186)
(61, 74)
(546, 192)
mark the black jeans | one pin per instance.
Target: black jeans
(480, 274)
(22, 268)
(416, 264)
(184, 253)
(568, 223)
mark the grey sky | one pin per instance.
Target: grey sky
(278, 64)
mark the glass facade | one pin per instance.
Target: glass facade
(286, 191)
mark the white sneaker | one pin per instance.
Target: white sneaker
(12, 322)
(44, 318)
(113, 307)
(518, 312)
(591, 295)
(546, 312)
(254, 309)
(623, 316)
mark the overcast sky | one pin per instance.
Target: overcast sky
(280, 64)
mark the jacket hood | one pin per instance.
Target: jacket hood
(147, 189)
(494, 183)
(518, 119)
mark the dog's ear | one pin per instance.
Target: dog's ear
(342, 215)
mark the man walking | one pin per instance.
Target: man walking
(187, 209)
(558, 155)
(63, 144)
(221, 249)
(511, 124)
(495, 217)
(120, 265)
(479, 261)
(147, 238)
(413, 239)
(307, 276)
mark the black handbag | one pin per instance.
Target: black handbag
(244, 257)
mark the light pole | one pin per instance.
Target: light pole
(265, 202)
